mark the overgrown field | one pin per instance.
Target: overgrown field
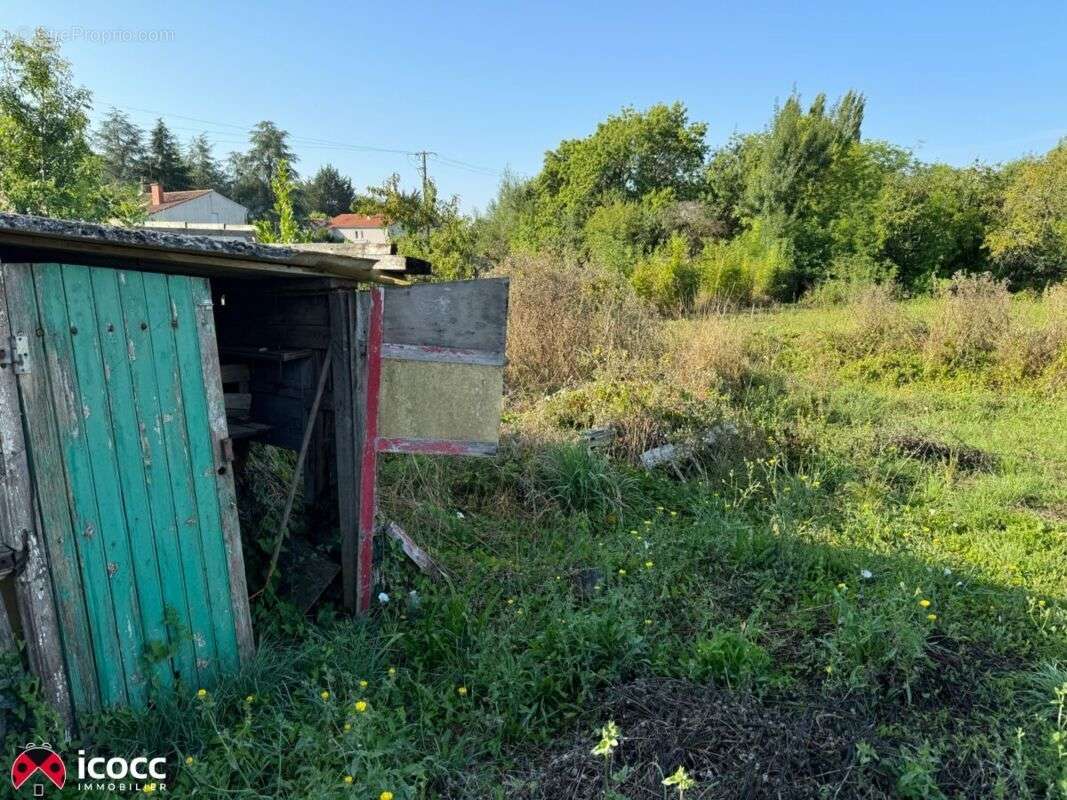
(853, 583)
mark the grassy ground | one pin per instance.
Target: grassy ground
(858, 590)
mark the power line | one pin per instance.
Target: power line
(310, 142)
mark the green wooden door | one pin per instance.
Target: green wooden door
(122, 411)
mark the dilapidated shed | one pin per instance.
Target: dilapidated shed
(119, 540)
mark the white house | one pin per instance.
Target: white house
(196, 211)
(360, 228)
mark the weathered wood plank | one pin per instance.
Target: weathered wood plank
(161, 321)
(92, 376)
(348, 421)
(442, 355)
(33, 588)
(149, 420)
(467, 315)
(76, 459)
(206, 421)
(130, 460)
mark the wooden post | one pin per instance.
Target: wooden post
(347, 426)
(18, 529)
(371, 306)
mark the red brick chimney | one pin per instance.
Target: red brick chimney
(157, 193)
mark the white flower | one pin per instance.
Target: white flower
(948, 571)
(383, 598)
(460, 515)
(866, 574)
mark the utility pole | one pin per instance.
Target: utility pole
(425, 194)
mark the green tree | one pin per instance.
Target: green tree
(202, 167)
(46, 164)
(329, 192)
(165, 164)
(287, 228)
(252, 173)
(120, 144)
(629, 155)
(797, 154)
(404, 207)
(930, 221)
(509, 222)
(1028, 240)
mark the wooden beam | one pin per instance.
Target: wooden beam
(347, 424)
(231, 526)
(21, 529)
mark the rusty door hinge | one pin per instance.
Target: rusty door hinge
(18, 356)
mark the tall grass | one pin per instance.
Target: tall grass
(565, 321)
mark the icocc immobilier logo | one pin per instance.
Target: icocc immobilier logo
(38, 768)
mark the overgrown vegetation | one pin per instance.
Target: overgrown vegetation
(851, 582)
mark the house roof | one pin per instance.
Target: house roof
(357, 221)
(171, 199)
(29, 238)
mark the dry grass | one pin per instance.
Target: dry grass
(875, 323)
(708, 352)
(567, 321)
(971, 321)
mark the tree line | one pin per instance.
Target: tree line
(771, 214)
(807, 201)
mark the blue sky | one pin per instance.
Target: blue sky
(494, 85)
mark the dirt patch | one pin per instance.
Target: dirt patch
(735, 746)
(923, 448)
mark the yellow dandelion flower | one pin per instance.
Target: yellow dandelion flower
(842, 586)
(674, 513)
(348, 779)
(201, 693)
(250, 699)
(461, 691)
(650, 564)
(924, 603)
(392, 672)
(324, 695)
(386, 795)
(622, 572)
(189, 761)
(932, 617)
(363, 684)
(361, 706)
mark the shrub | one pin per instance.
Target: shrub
(564, 321)
(1029, 353)
(972, 318)
(669, 278)
(751, 268)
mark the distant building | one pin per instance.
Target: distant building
(361, 229)
(196, 211)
